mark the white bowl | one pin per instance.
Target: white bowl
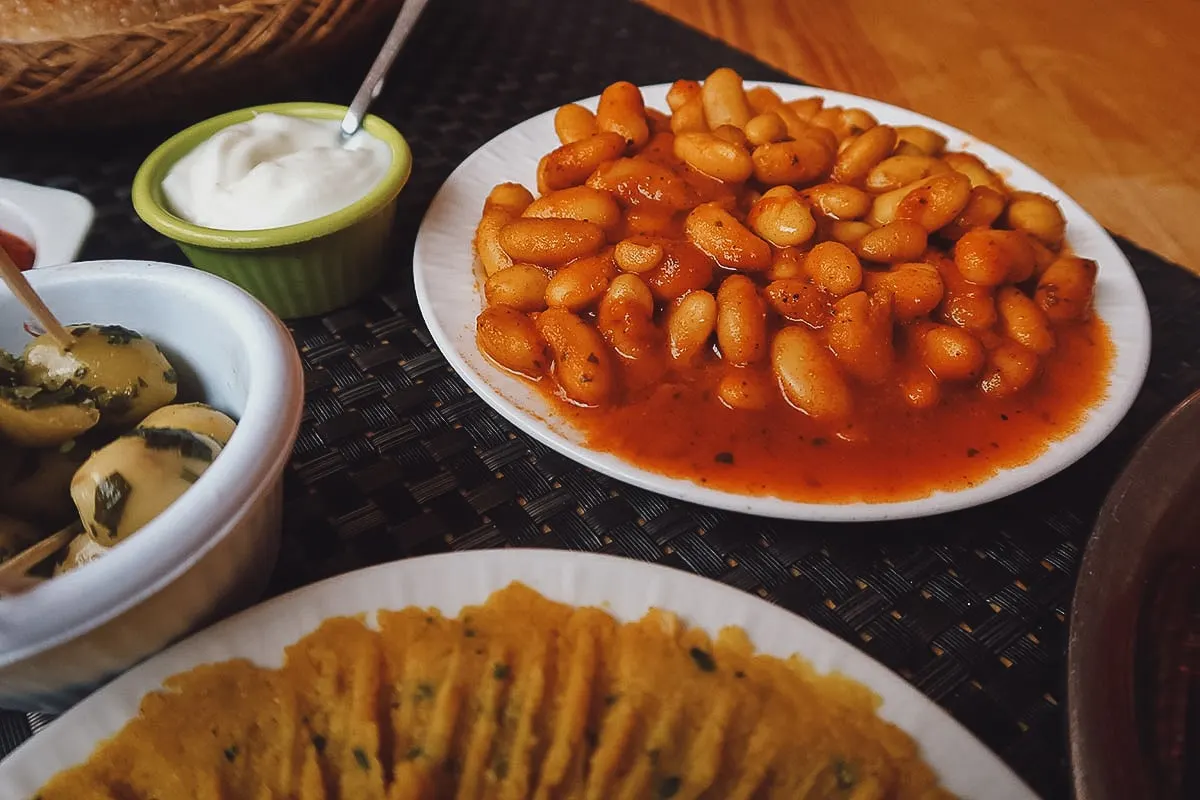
(210, 552)
(54, 222)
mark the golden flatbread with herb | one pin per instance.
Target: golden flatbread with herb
(518, 698)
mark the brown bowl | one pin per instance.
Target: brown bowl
(1134, 652)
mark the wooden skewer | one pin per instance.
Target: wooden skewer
(13, 577)
(20, 287)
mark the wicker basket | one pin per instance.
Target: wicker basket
(159, 71)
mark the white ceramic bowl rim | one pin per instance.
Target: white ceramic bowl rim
(73, 604)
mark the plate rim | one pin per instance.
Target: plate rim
(540, 568)
(1059, 455)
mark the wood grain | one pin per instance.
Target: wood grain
(1098, 95)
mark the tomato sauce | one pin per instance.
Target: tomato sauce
(18, 250)
(680, 428)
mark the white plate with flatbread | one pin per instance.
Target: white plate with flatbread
(625, 588)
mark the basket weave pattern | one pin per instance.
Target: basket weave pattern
(111, 78)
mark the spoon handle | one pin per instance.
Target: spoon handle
(20, 287)
(373, 84)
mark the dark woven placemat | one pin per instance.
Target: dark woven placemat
(396, 457)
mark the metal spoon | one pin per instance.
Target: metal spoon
(373, 84)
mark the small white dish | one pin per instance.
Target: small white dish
(54, 222)
(450, 297)
(210, 552)
(624, 588)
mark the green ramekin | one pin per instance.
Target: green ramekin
(297, 270)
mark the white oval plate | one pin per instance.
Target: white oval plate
(625, 588)
(450, 299)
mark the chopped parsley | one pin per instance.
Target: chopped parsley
(318, 742)
(27, 398)
(703, 660)
(231, 753)
(170, 376)
(360, 757)
(112, 493)
(116, 334)
(187, 443)
(501, 672)
(669, 786)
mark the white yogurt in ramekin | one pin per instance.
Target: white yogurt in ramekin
(274, 170)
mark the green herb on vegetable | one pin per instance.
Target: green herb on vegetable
(414, 753)
(669, 786)
(31, 397)
(231, 753)
(115, 334)
(318, 742)
(501, 672)
(703, 660)
(187, 443)
(360, 757)
(170, 376)
(112, 493)
(425, 691)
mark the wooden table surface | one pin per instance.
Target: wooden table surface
(1100, 96)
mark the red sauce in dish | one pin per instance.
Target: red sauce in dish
(18, 250)
(681, 429)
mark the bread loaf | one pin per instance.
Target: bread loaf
(43, 20)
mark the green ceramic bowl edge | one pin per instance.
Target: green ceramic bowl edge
(150, 205)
